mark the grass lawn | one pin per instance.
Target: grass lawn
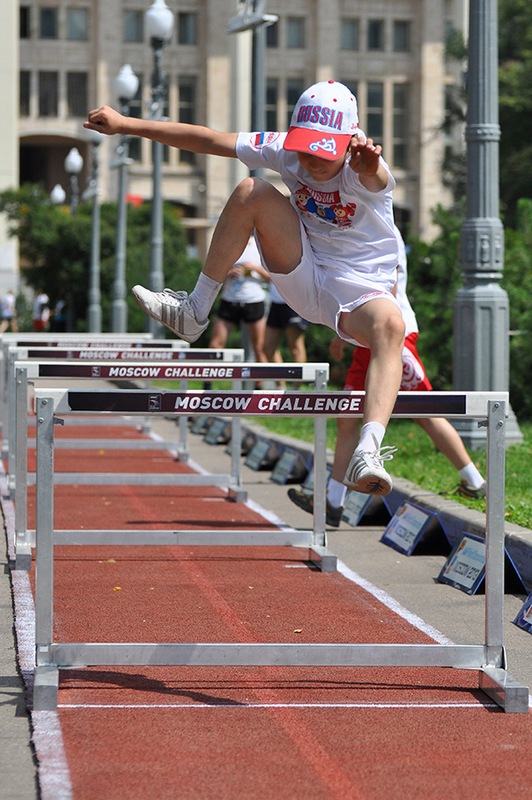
(417, 459)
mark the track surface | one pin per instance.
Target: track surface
(226, 732)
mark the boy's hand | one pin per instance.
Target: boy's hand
(364, 156)
(105, 120)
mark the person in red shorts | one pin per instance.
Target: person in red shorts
(414, 378)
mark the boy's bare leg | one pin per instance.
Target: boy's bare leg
(254, 206)
(378, 325)
(295, 339)
(271, 345)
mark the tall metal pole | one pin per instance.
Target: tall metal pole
(481, 327)
(156, 281)
(94, 310)
(119, 306)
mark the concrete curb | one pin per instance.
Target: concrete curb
(454, 518)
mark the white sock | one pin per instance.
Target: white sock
(371, 436)
(203, 295)
(471, 476)
(336, 493)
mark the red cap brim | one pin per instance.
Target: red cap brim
(330, 146)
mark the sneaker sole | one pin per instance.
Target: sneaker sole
(370, 485)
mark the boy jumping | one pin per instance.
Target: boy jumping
(330, 246)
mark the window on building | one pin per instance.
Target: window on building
(135, 110)
(187, 102)
(78, 24)
(24, 93)
(270, 110)
(294, 88)
(349, 33)
(77, 94)
(295, 32)
(401, 36)
(375, 111)
(49, 94)
(272, 35)
(401, 97)
(133, 22)
(351, 84)
(375, 34)
(187, 27)
(48, 23)
(24, 22)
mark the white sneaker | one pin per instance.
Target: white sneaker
(366, 474)
(173, 310)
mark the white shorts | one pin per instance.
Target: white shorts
(320, 294)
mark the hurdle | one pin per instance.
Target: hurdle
(88, 355)
(77, 341)
(87, 348)
(184, 371)
(487, 658)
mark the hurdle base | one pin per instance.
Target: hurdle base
(495, 682)
(504, 689)
(323, 559)
(23, 556)
(45, 688)
(237, 494)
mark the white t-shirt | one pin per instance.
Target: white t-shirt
(7, 308)
(246, 288)
(275, 295)
(400, 294)
(346, 224)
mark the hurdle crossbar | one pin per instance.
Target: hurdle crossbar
(488, 658)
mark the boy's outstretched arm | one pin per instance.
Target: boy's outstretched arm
(195, 138)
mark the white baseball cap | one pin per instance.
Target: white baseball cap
(323, 121)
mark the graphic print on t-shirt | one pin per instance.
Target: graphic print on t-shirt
(326, 205)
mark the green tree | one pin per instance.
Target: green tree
(515, 104)
(518, 283)
(55, 251)
(434, 276)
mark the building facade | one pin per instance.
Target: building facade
(390, 52)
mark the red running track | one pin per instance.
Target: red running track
(322, 733)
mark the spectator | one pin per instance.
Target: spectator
(243, 301)
(283, 319)
(58, 320)
(41, 312)
(8, 312)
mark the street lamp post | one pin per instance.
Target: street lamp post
(159, 26)
(481, 347)
(58, 195)
(94, 308)
(73, 166)
(126, 86)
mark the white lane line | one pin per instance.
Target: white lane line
(238, 706)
